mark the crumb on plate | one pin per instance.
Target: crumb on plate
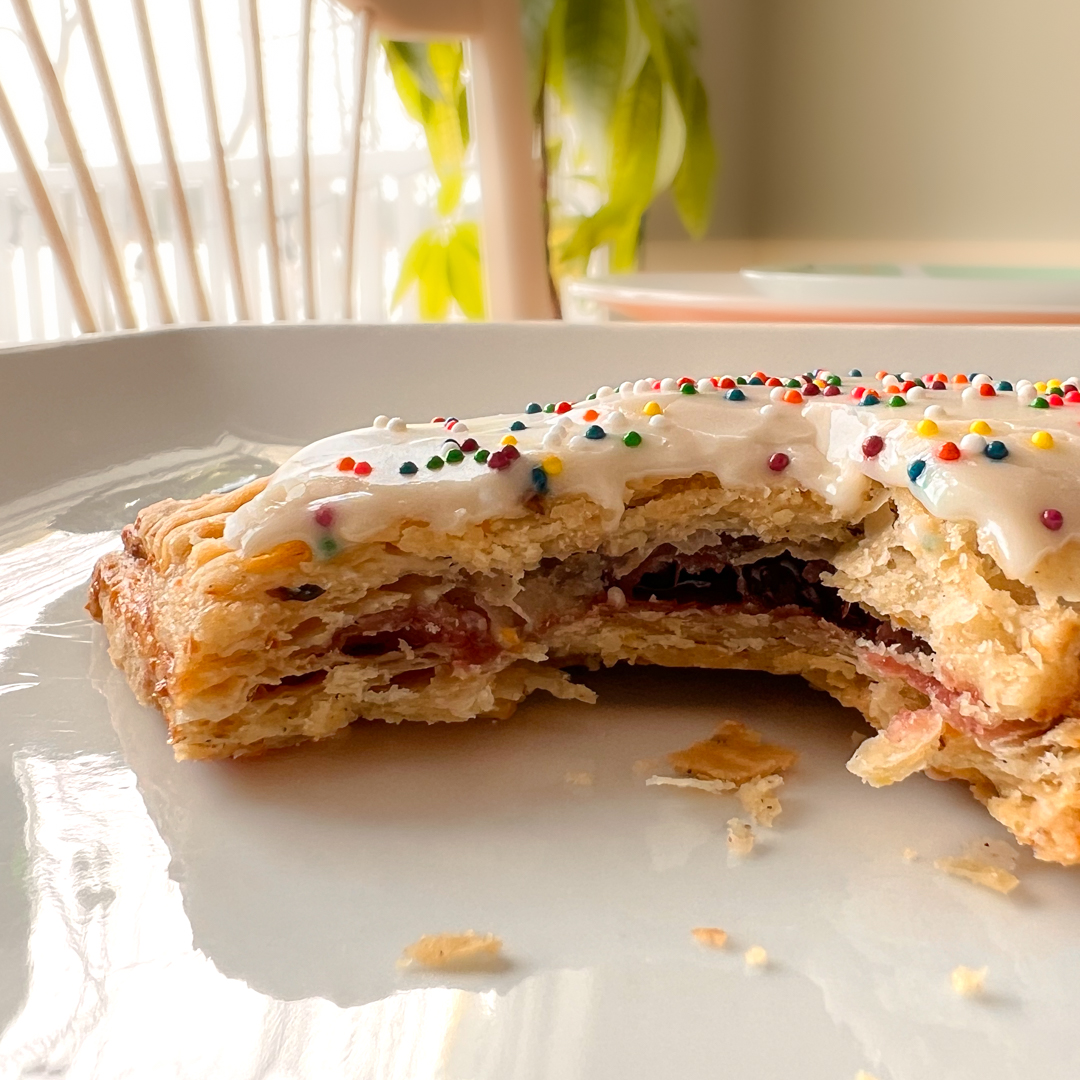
(733, 752)
(759, 799)
(756, 957)
(644, 766)
(909, 854)
(967, 982)
(740, 837)
(714, 787)
(979, 866)
(579, 779)
(460, 951)
(711, 936)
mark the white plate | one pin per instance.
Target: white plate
(773, 296)
(233, 920)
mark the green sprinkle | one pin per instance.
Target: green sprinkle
(896, 401)
(327, 546)
(435, 462)
(632, 438)
(481, 456)
(549, 407)
(792, 384)
(591, 397)
(453, 457)
(1040, 403)
(689, 388)
(834, 380)
(407, 468)
(741, 380)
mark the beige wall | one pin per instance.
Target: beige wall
(921, 119)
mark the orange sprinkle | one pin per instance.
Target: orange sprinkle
(959, 378)
(793, 397)
(948, 451)
(986, 390)
(346, 464)
(590, 415)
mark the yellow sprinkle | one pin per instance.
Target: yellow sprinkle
(552, 465)
(1041, 387)
(926, 428)
(980, 427)
(509, 440)
(652, 409)
(1043, 440)
(1053, 382)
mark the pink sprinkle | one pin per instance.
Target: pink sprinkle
(779, 462)
(1052, 519)
(324, 516)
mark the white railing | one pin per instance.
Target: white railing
(179, 178)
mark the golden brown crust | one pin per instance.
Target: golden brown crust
(238, 664)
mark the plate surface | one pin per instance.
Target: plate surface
(243, 919)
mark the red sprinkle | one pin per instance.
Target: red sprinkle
(362, 469)
(986, 390)
(1056, 400)
(346, 464)
(1052, 519)
(563, 406)
(830, 391)
(469, 445)
(937, 385)
(948, 451)
(438, 419)
(511, 453)
(450, 422)
(1072, 397)
(773, 382)
(779, 462)
(858, 392)
(656, 384)
(810, 390)
(872, 446)
(726, 383)
(908, 384)
(684, 380)
(324, 516)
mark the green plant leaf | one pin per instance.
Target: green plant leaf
(463, 269)
(635, 140)
(412, 75)
(594, 35)
(536, 17)
(412, 267)
(694, 181)
(434, 284)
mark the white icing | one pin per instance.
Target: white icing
(822, 436)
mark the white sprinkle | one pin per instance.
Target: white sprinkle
(935, 412)
(555, 436)
(972, 443)
(626, 388)
(979, 380)
(916, 393)
(616, 598)
(458, 427)
(768, 410)
(906, 376)
(605, 391)
(614, 421)
(643, 386)
(669, 386)
(1021, 383)
(1026, 394)
(380, 421)
(396, 424)
(777, 393)
(659, 420)
(705, 386)
(579, 442)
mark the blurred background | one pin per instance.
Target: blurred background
(668, 136)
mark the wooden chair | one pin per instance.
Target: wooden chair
(514, 251)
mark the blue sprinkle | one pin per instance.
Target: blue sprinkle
(595, 432)
(1001, 386)
(534, 406)
(996, 450)
(735, 395)
(517, 425)
(855, 373)
(408, 468)
(539, 480)
(915, 469)
(755, 381)
(869, 399)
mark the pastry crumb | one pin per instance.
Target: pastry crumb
(967, 982)
(734, 753)
(579, 779)
(461, 951)
(644, 766)
(715, 787)
(759, 799)
(711, 936)
(909, 854)
(740, 837)
(756, 957)
(980, 870)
